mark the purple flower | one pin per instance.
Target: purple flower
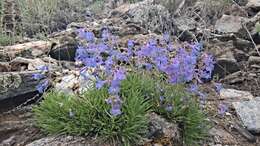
(42, 86)
(207, 70)
(218, 87)
(90, 61)
(162, 98)
(38, 76)
(82, 72)
(89, 36)
(169, 108)
(195, 49)
(148, 66)
(81, 33)
(115, 110)
(114, 87)
(105, 34)
(166, 37)
(100, 84)
(161, 61)
(116, 104)
(81, 53)
(222, 109)
(194, 88)
(130, 44)
(43, 68)
(119, 74)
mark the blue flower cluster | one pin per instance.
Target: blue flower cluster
(180, 65)
(44, 83)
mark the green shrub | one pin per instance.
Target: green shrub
(185, 112)
(97, 6)
(140, 94)
(5, 39)
(46, 16)
(89, 115)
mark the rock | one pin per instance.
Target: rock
(229, 24)
(160, 128)
(67, 84)
(248, 112)
(237, 77)
(235, 95)
(4, 67)
(16, 88)
(221, 136)
(244, 132)
(74, 83)
(16, 127)
(243, 45)
(254, 4)
(224, 52)
(225, 66)
(254, 60)
(29, 49)
(23, 64)
(153, 17)
(240, 55)
(67, 141)
(65, 49)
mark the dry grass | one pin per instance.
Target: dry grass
(46, 16)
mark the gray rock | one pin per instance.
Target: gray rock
(229, 24)
(64, 141)
(235, 95)
(255, 4)
(160, 128)
(153, 17)
(221, 136)
(243, 45)
(16, 88)
(254, 60)
(249, 113)
(74, 83)
(67, 84)
(226, 66)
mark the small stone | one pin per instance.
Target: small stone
(67, 83)
(248, 112)
(235, 95)
(255, 4)
(229, 24)
(160, 128)
(226, 66)
(221, 136)
(254, 60)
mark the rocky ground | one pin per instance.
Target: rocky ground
(232, 35)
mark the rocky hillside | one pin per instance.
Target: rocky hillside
(230, 30)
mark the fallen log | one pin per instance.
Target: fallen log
(29, 50)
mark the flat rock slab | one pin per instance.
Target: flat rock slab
(229, 24)
(253, 4)
(235, 95)
(249, 113)
(16, 88)
(221, 136)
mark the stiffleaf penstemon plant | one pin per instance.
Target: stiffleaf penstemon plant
(108, 64)
(102, 59)
(42, 75)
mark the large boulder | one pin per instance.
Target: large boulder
(248, 111)
(152, 16)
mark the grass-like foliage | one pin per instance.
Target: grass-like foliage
(89, 115)
(46, 16)
(140, 93)
(177, 106)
